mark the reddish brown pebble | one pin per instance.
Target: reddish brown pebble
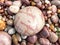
(5, 39)
(28, 23)
(44, 41)
(28, 43)
(44, 33)
(59, 40)
(53, 37)
(32, 39)
(26, 1)
(8, 3)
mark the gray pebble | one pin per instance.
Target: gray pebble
(23, 37)
(7, 28)
(55, 2)
(11, 31)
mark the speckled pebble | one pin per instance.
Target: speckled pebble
(10, 22)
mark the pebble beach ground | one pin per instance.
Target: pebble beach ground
(29, 22)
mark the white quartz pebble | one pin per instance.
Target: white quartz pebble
(17, 3)
(11, 31)
(13, 9)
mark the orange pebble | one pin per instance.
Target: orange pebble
(58, 10)
(52, 27)
(33, 3)
(2, 1)
(2, 25)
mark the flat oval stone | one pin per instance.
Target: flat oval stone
(29, 21)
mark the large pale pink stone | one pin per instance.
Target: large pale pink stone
(5, 39)
(29, 21)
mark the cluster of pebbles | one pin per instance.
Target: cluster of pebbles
(29, 22)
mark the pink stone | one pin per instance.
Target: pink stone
(29, 21)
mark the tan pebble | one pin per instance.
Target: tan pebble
(19, 37)
(52, 27)
(2, 1)
(23, 42)
(53, 37)
(33, 3)
(15, 40)
(58, 10)
(1, 11)
(2, 25)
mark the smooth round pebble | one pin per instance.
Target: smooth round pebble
(28, 43)
(5, 39)
(14, 39)
(29, 23)
(55, 2)
(13, 9)
(10, 22)
(36, 1)
(23, 37)
(54, 18)
(27, 2)
(18, 3)
(53, 37)
(54, 8)
(32, 39)
(44, 41)
(23, 42)
(2, 25)
(8, 3)
(19, 37)
(11, 31)
(44, 33)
